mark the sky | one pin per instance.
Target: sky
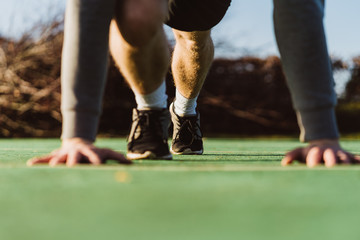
(249, 25)
(246, 28)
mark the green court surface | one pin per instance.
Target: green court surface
(236, 190)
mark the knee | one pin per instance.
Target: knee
(138, 25)
(198, 41)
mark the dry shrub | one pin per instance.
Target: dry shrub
(248, 95)
(352, 91)
(29, 83)
(348, 109)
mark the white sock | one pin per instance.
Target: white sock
(184, 106)
(156, 99)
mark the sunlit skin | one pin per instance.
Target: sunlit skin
(77, 150)
(191, 61)
(138, 43)
(318, 152)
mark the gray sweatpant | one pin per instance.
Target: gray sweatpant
(301, 41)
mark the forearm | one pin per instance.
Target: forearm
(302, 44)
(84, 65)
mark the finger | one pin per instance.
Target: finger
(314, 157)
(93, 157)
(329, 157)
(344, 157)
(292, 156)
(356, 159)
(57, 159)
(110, 154)
(73, 158)
(39, 160)
(56, 151)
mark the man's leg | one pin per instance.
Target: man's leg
(138, 43)
(192, 58)
(192, 21)
(139, 47)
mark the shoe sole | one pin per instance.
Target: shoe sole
(187, 151)
(147, 155)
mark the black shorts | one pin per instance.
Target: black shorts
(196, 15)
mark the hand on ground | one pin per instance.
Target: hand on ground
(326, 151)
(76, 150)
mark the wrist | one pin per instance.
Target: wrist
(76, 140)
(325, 141)
(317, 124)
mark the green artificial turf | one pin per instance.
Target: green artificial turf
(236, 190)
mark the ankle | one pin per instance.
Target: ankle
(155, 100)
(184, 106)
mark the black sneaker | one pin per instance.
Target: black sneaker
(149, 135)
(187, 136)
